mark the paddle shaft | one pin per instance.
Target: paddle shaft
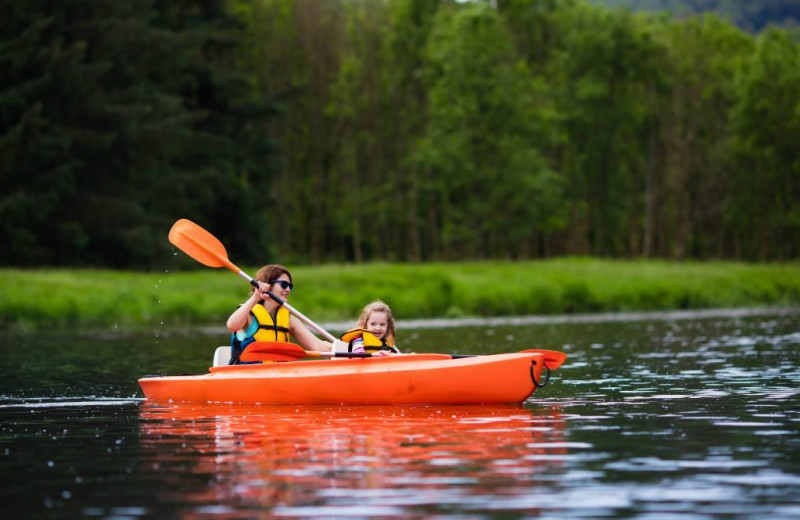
(284, 351)
(313, 353)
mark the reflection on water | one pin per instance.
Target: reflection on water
(354, 461)
(688, 419)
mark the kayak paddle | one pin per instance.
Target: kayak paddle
(281, 351)
(208, 250)
(204, 247)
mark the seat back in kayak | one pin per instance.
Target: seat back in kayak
(221, 356)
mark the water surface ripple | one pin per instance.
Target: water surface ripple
(689, 419)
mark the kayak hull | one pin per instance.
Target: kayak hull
(400, 379)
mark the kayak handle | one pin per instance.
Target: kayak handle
(533, 378)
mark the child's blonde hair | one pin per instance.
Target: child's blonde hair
(379, 306)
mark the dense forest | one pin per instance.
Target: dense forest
(748, 14)
(400, 130)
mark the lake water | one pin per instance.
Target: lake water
(673, 417)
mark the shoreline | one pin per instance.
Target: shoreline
(542, 319)
(420, 295)
(443, 323)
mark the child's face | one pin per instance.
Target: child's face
(377, 323)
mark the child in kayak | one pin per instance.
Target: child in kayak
(261, 318)
(374, 333)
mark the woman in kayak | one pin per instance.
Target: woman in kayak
(261, 318)
(375, 331)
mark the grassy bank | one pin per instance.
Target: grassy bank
(64, 299)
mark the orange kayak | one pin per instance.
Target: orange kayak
(398, 379)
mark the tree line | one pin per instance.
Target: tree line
(400, 130)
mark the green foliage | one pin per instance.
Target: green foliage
(481, 147)
(599, 74)
(311, 131)
(58, 299)
(117, 118)
(701, 63)
(766, 119)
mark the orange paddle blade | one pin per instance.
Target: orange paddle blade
(552, 358)
(273, 351)
(199, 244)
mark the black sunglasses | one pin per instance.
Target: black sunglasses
(282, 283)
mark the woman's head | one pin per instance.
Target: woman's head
(377, 318)
(271, 274)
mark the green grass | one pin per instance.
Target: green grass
(68, 299)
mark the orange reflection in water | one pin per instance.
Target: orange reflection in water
(396, 457)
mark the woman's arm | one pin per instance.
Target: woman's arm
(240, 318)
(305, 338)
